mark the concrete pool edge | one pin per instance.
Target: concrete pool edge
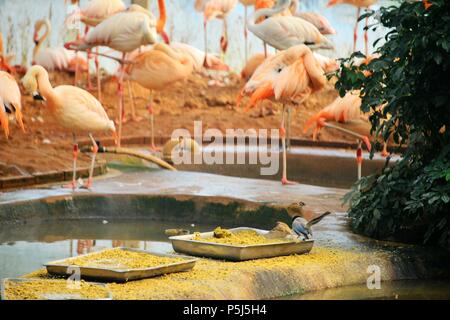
(323, 268)
(327, 266)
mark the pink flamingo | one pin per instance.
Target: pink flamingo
(54, 58)
(213, 9)
(283, 32)
(123, 32)
(157, 69)
(75, 109)
(246, 4)
(290, 75)
(93, 14)
(10, 101)
(359, 4)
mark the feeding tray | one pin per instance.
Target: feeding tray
(187, 245)
(54, 293)
(112, 271)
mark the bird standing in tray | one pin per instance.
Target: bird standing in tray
(301, 226)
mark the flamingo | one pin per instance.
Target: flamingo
(283, 32)
(198, 57)
(252, 64)
(5, 60)
(358, 4)
(246, 4)
(10, 101)
(213, 9)
(54, 58)
(74, 108)
(292, 74)
(95, 12)
(123, 32)
(347, 112)
(157, 69)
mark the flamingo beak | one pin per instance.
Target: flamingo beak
(4, 123)
(37, 96)
(331, 3)
(19, 119)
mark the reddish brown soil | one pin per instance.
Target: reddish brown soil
(46, 147)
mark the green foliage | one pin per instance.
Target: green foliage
(409, 79)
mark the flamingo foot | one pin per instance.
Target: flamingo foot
(87, 185)
(154, 148)
(286, 182)
(137, 119)
(384, 154)
(72, 185)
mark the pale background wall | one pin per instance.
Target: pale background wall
(184, 24)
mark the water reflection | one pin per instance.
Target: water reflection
(25, 248)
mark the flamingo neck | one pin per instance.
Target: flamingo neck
(48, 30)
(263, 13)
(45, 87)
(162, 16)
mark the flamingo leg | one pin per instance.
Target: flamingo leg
(246, 34)
(355, 31)
(284, 179)
(75, 152)
(359, 158)
(120, 94)
(97, 69)
(134, 117)
(288, 129)
(366, 38)
(152, 122)
(88, 185)
(205, 62)
(265, 50)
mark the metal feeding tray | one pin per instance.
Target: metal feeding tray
(54, 295)
(122, 275)
(185, 244)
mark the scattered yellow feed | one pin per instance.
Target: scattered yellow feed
(120, 259)
(53, 289)
(243, 237)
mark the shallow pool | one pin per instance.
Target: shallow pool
(25, 248)
(390, 290)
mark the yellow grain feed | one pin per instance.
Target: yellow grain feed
(243, 237)
(53, 289)
(121, 259)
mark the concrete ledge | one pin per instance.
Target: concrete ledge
(48, 177)
(271, 278)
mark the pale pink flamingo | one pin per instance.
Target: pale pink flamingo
(123, 32)
(75, 109)
(290, 75)
(95, 12)
(10, 101)
(346, 112)
(358, 4)
(283, 32)
(216, 9)
(318, 20)
(157, 69)
(58, 58)
(246, 4)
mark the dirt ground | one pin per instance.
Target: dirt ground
(47, 147)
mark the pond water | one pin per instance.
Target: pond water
(390, 290)
(25, 248)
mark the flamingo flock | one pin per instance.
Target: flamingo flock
(290, 75)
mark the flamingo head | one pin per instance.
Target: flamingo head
(214, 63)
(30, 84)
(334, 2)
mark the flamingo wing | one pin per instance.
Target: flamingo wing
(285, 32)
(123, 32)
(81, 110)
(11, 97)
